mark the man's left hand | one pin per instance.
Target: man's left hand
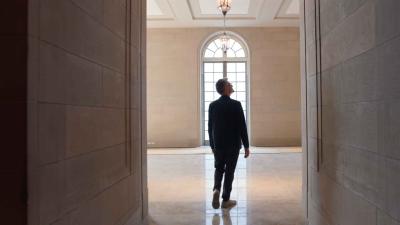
(246, 152)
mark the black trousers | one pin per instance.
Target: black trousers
(225, 163)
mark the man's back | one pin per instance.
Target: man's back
(226, 125)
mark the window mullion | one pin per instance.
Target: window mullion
(225, 69)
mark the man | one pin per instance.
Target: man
(227, 130)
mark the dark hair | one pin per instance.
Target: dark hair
(220, 85)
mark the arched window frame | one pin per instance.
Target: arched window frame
(204, 59)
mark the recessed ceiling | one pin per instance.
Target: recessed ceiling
(204, 13)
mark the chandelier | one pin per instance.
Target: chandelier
(224, 6)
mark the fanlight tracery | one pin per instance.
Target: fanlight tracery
(215, 50)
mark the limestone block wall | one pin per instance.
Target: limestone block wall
(174, 85)
(351, 126)
(86, 121)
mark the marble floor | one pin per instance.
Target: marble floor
(267, 187)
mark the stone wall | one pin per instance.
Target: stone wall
(174, 85)
(351, 130)
(86, 116)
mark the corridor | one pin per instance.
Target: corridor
(267, 187)
(88, 86)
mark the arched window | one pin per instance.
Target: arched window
(217, 64)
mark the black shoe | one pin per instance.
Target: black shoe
(215, 201)
(228, 204)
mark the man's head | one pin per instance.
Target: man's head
(224, 87)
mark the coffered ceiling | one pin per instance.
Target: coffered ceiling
(204, 13)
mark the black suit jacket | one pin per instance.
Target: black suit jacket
(227, 125)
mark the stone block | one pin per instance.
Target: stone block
(51, 192)
(91, 173)
(349, 7)
(317, 217)
(390, 129)
(84, 82)
(389, 68)
(106, 208)
(387, 20)
(390, 186)
(359, 30)
(333, 161)
(94, 8)
(113, 89)
(61, 24)
(68, 79)
(360, 78)
(355, 35)
(332, 86)
(384, 219)
(89, 129)
(115, 17)
(362, 174)
(114, 52)
(331, 15)
(329, 123)
(343, 205)
(358, 125)
(52, 77)
(51, 120)
(94, 40)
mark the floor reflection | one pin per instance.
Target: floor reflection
(267, 187)
(236, 215)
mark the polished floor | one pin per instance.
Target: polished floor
(267, 187)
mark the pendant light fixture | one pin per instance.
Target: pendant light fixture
(224, 6)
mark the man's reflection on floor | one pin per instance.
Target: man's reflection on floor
(226, 218)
